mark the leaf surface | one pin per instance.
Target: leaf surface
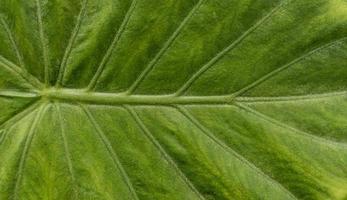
(173, 99)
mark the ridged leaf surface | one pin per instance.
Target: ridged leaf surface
(173, 99)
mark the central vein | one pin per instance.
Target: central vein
(74, 95)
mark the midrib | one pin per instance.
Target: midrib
(74, 95)
(79, 95)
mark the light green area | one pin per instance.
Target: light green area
(173, 99)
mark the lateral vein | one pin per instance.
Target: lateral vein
(228, 149)
(28, 141)
(286, 66)
(43, 42)
(62, 68)
(221, 54)
(156, 143)
(162, 51)
(21, 73)
(13, 42)
(267, 118)
(111, 151)
(113, 45)
(66, 147)
(13, 120)
(19, 115)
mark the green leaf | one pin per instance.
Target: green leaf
(173, 99)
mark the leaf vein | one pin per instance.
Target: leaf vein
(162, 51)
(66, 147)
(26, 148)
(63, 64)
(228, 149)
(111, 151)
(19, 115)
(267, 118)
(221, 54)
(13, 42)
(43, 41)
(286, 66)
(156, 143)
(20, 72)
(289, 98)
(113, 45)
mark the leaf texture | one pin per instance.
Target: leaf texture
(173, 99)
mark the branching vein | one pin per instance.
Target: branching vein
(72, 40)
(113, 45)
(228, 149)
(156, 143)
(13, 42)
(111, 151)
(28, 141)
(66, 147)
(20, 73)
(321, 140)
(162, 51)
(20, 114)
(221, 54)
(16, 118)
(43, 42)
(286, 66)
